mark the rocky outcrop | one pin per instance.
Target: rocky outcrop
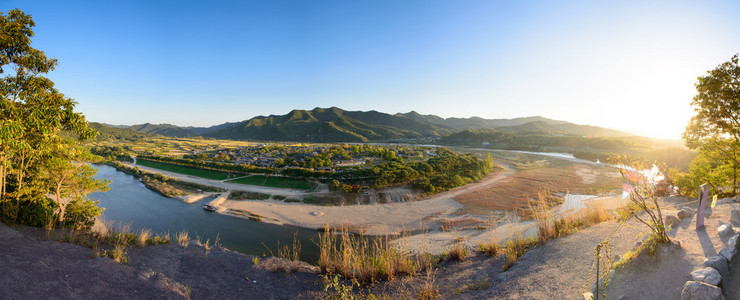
(707, 275)
(685, 213)
(671, 220)
(735, 217)
(719, 263)
(695, 290)
(725, 230)
(709, 281)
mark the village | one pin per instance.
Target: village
(319, 157)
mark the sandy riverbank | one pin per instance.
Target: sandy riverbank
(193, 198)
(372, 219)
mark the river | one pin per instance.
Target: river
(129, 201)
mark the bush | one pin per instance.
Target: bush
(81, 214)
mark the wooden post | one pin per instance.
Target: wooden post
(703, 199)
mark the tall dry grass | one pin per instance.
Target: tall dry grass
(364, 259)
(552, 224)
(291, 255)
(183, 238)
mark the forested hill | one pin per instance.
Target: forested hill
(332, 125)
(107, 132)
(563, 129)
(171, 130)
(338, 125)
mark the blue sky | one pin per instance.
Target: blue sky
(622, 64)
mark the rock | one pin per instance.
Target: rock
(707, 275)
(621, 297)
(719, 263)
(699, 290)
(729, 254)
(732, 243)
(671, 221)
(735, 216)
(587, 296)
(684, 213)
(725, 230)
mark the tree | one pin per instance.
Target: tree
(715, 129)
(334, 185)
(34, 117)
(69, 177)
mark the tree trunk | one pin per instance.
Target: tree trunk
(734, 168)
(2, 177)
(62, 206)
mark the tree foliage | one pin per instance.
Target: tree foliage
(36, 123)
(715, 130)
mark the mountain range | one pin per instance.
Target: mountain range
(338, 125)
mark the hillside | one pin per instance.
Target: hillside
(564, 128)
(163, 129)
(172, 130)
(107, 132)
(337, 125)
(331, 125)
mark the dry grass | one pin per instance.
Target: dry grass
(514, 192)
(490, 247)
(182, 238)
(143, 237)
(363, 259)
(515, 247)
(291, 256)
(459, 251)
(552, 224)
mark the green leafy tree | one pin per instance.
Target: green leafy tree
(334, 185)
(69, 177)
(715, 129)
(34, 117)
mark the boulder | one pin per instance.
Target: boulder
(700, 290)
(725, 230)
(684, 213)
(707, 275)
(733, 242)
(729, 254)
(719, 263)
(735, 217)
(671, 221)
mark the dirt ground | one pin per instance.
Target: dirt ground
(669, 267)
(36, 268)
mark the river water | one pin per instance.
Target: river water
(129, 201)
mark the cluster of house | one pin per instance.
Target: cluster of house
(295, 156)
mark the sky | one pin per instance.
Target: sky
(628, 65)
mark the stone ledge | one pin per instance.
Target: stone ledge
(704, 284)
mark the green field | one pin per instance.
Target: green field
(278, 182)
(209, 174)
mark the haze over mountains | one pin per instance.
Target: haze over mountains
(337, 125)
